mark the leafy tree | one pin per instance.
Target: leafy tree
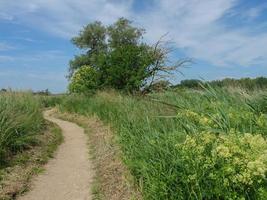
(118, 57)
(92, 39)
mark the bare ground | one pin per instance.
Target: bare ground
(112, 180)
(15, 179)
(68, 176)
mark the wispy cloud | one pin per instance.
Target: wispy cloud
(6, 47)
(65, 17)
(196, 26)
(39, 56)
(6, 59)
(27, 39)
(255, 11)
(24, 80)
(4, 16)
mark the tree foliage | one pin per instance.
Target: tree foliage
(118, 57)
(83, 80)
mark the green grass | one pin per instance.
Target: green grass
(14, 180)
(27, 141)
(20, 121)
(153, 135)
(48, 101)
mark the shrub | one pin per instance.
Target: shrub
(224, 166)
(84, 80)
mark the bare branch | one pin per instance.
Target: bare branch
(159, 68)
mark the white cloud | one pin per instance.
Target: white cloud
(196, 26)
(39, 56)
(5, 47)
(64, 17)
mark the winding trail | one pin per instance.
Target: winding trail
(69, 174)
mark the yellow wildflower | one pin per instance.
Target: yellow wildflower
(223, 151)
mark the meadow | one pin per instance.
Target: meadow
(187, 144)
(146, 136)
(177, 144)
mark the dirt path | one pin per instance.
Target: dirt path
(68, 175)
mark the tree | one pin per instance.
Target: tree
(119, 58)
(92, 39)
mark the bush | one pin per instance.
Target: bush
(84, 80)
(225, 166)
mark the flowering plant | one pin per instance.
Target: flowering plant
(224, 166)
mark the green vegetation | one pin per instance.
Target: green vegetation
(208, 144)
(116, 56)
(20, 121)
(244, 83)
(111, 178)
(14, 180)
(49, 101)
(26, 140)
(84, 80)
(195, 140)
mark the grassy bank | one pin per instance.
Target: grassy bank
(196, 145)
(26, 141)
(20, 122)
(15, 178)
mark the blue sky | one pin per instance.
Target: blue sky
(226, 38)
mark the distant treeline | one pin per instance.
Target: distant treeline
(246, 83)
(39, 92)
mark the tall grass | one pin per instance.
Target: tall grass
(154, 139)
(20, 120)
(47, 101)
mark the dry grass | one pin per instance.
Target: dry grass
(112, 180)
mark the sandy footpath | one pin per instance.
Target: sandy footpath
(69, 174)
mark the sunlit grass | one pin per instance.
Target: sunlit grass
(151, 130)
(20, 120)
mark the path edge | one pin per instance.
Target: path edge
(112, 180)
(18, 178)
